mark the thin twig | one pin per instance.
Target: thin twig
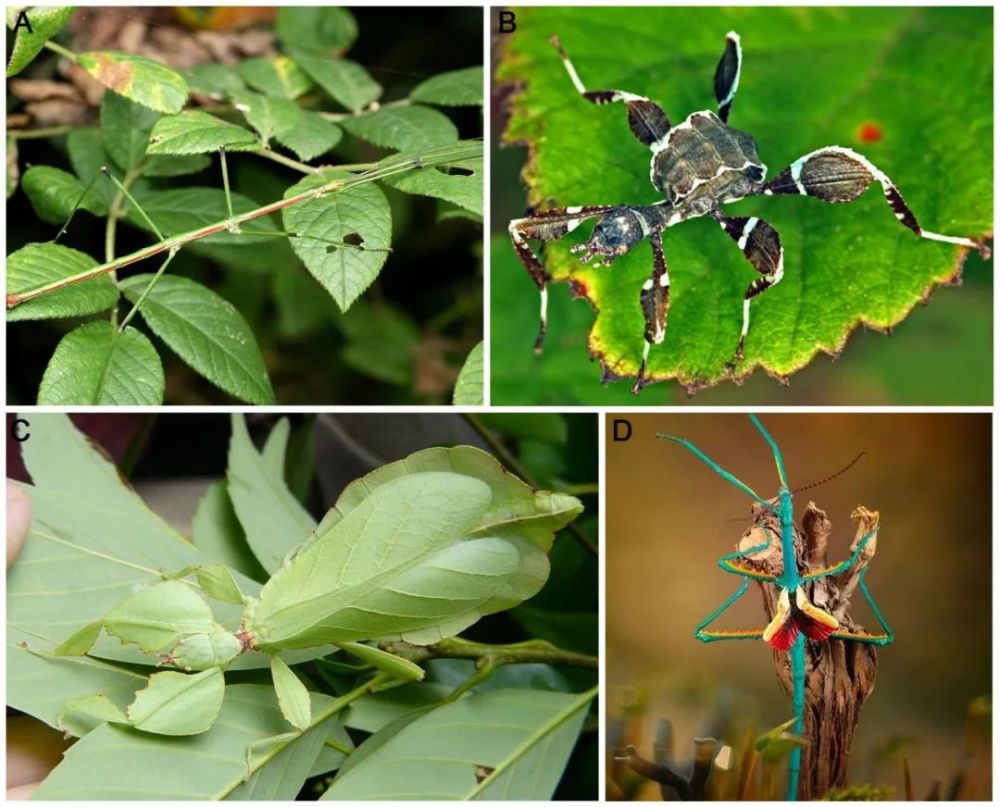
(534, 651)
(513, 465)
(288, 162)
(47, 131)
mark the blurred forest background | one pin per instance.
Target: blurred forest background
(670, 518)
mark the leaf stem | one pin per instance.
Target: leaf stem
(47, 131)
(508, 459)
(533, 651)
(336, 116)
(439, 156)
(288, 162)
(55, 47)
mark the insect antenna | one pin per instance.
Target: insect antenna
(831, 476)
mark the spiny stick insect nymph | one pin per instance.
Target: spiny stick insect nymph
(699, 165)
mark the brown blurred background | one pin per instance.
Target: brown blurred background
(670, 517)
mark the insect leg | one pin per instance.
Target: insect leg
(647, 120)
(721, 636)
(732, 480)
(760, 245)
(655, 301)
(837, 174)
(843, 566)
(727, 75)
(884, 638)
(547, 226)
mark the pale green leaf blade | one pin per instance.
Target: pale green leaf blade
(460, 182)
(99, 707)
(79, 643)
(503, 744)
(325, 29)
(177, 704)
(46, 22)
(217, 533)
(274, 521)
(125, 127)
(218, 582)
(36, 265)
(357, 212)
(293, 697)
(54, 193)
(271, 117)
(347, 82)
(206, 331)
(194, 132)
(388, 663)
(112, 762)
(312, 137)
(455, 88)
(276, 76)
(403, 128)
(469, 387)
(276, 447)
(159, 616)
(95, 364)
(139, 79)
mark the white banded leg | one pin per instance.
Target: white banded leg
(655, 302)
(546, 226)
(761, 246)
(727, 75)
(837, 174)
(647, 120)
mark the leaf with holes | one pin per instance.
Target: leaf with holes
(97, 365)
(206, 331)
(137, 78)
(460, 182)
(845, 265)
(343, 237)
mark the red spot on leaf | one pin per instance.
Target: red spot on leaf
(869, 132)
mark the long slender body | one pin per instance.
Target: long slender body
(796, 617)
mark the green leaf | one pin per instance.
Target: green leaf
(276, 446)
(36, 265)
(216, 531)
(381, 342)
(159, 615)
(46, 22)
(217, 581)
(125, 127)
(504, 744)
(95, 364)
(79, 643)
(845, 265)
(113, 762)
(325, 29)
(455, 88)
(195, 132)
(409, 128)
(293, 697)
(87, 155)
(13, 169)
(174, 165)
(469, 387)
(274, 521)
(177, 704)
(347, 82)
(215, 80)
(269, 116)
(54, 193)
(460, 182)
(388, 663)
(311, 137)
(206, 331)
(342, 216)
(277, 76)
(139, 79)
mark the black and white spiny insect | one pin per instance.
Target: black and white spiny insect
(699, 165)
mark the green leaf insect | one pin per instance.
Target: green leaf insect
(417, 551)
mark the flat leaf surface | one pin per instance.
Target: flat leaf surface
(125, 127)
(215, 80)
(460, 183)
(176, 704)
(46, 22)
(293, 697)
(359, 212)
(113, 762)
(921, 76)
(94, 364)
(216, 531)
(54, 193)
(268, 115)
(36, 265)
(504, 744)
(346, 82)
(207, 332)
(454, 88)
(139, 79)
(87, 154)
(469, 387)
(324, 29)
(403, 128)
(277, 76)
(194, 132)
(311, 136)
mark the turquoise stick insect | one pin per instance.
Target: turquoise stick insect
(796, 619)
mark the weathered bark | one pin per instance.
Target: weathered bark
(840, 675)
(661, 769)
